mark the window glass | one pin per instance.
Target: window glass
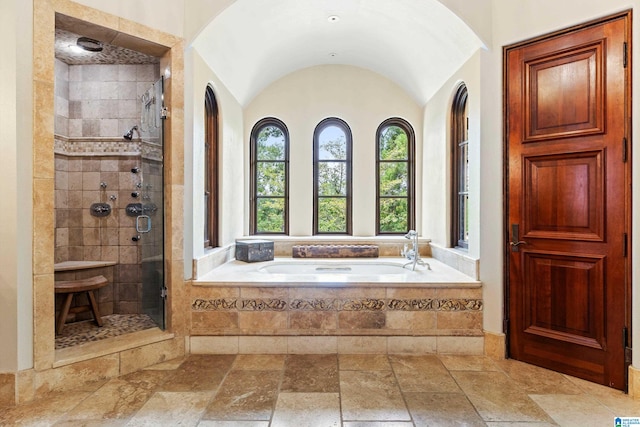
(332, 177)
(210, 170)
(394, 178)
(460, 169)
(270, 180)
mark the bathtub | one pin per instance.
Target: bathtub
(370, 272)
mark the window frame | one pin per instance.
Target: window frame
(325, 123)
(253, 220)
(459, 166)
(211, 182)
(408, 129)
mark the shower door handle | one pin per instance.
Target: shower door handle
(148, 224)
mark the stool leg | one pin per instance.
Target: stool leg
(94, 307)
(64, 312)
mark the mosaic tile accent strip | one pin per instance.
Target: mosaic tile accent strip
(95, 146)
(105, 147)
(319, 304)
(113, 325)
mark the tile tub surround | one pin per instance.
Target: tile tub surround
(339, 317)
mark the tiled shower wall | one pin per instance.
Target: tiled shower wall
(81, 236)
(95, 105)
(100, 100)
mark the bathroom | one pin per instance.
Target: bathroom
(349, 82)
(184, 259)
(365, 100)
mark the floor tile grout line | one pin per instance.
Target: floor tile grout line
(339, 389)
(402, 393)
(466, 396)
(275, 402)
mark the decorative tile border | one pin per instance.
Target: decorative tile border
(106, 147)
(331, 304)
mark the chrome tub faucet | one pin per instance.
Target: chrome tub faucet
(413, 254)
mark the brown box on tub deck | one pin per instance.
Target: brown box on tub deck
(254, 250)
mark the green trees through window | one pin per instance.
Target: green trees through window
(270, 177)
(394, 178)
(332, 177)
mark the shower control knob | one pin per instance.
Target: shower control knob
(135, 170)
(135, 238)
(135, 194)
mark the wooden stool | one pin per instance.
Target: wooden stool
(71, 287)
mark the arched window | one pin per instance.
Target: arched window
(269, 154)
(460, 169)
(332, 177)
(210, 169)
(395, 211)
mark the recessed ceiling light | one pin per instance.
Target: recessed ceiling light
(75, 48)
(333, 18)
(333, 54)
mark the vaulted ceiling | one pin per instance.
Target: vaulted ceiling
(418, 44)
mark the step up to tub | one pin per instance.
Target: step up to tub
(72, 287)
(335, 251)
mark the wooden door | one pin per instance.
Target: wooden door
(567, 107)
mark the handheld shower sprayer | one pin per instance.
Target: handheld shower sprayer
(129, 135)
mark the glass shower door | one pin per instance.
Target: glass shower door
(150, 222)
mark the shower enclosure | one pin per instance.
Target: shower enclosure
(109, 186)
(150, 218)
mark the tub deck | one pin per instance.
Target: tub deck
(238, 273)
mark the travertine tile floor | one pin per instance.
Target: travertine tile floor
(332, 390)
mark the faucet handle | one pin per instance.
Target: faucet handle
(403, 251)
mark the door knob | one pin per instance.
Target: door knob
(515, 241)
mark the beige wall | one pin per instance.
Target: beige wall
(361, 98)
(16, 305)
(436, 218)
(231, 164)
(163, 15)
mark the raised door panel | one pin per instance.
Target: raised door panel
(564, 197)
(564, 94)
(564, 298)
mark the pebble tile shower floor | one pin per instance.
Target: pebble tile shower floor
(332, 390)
(113, 325)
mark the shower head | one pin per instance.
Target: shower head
(129, 135)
